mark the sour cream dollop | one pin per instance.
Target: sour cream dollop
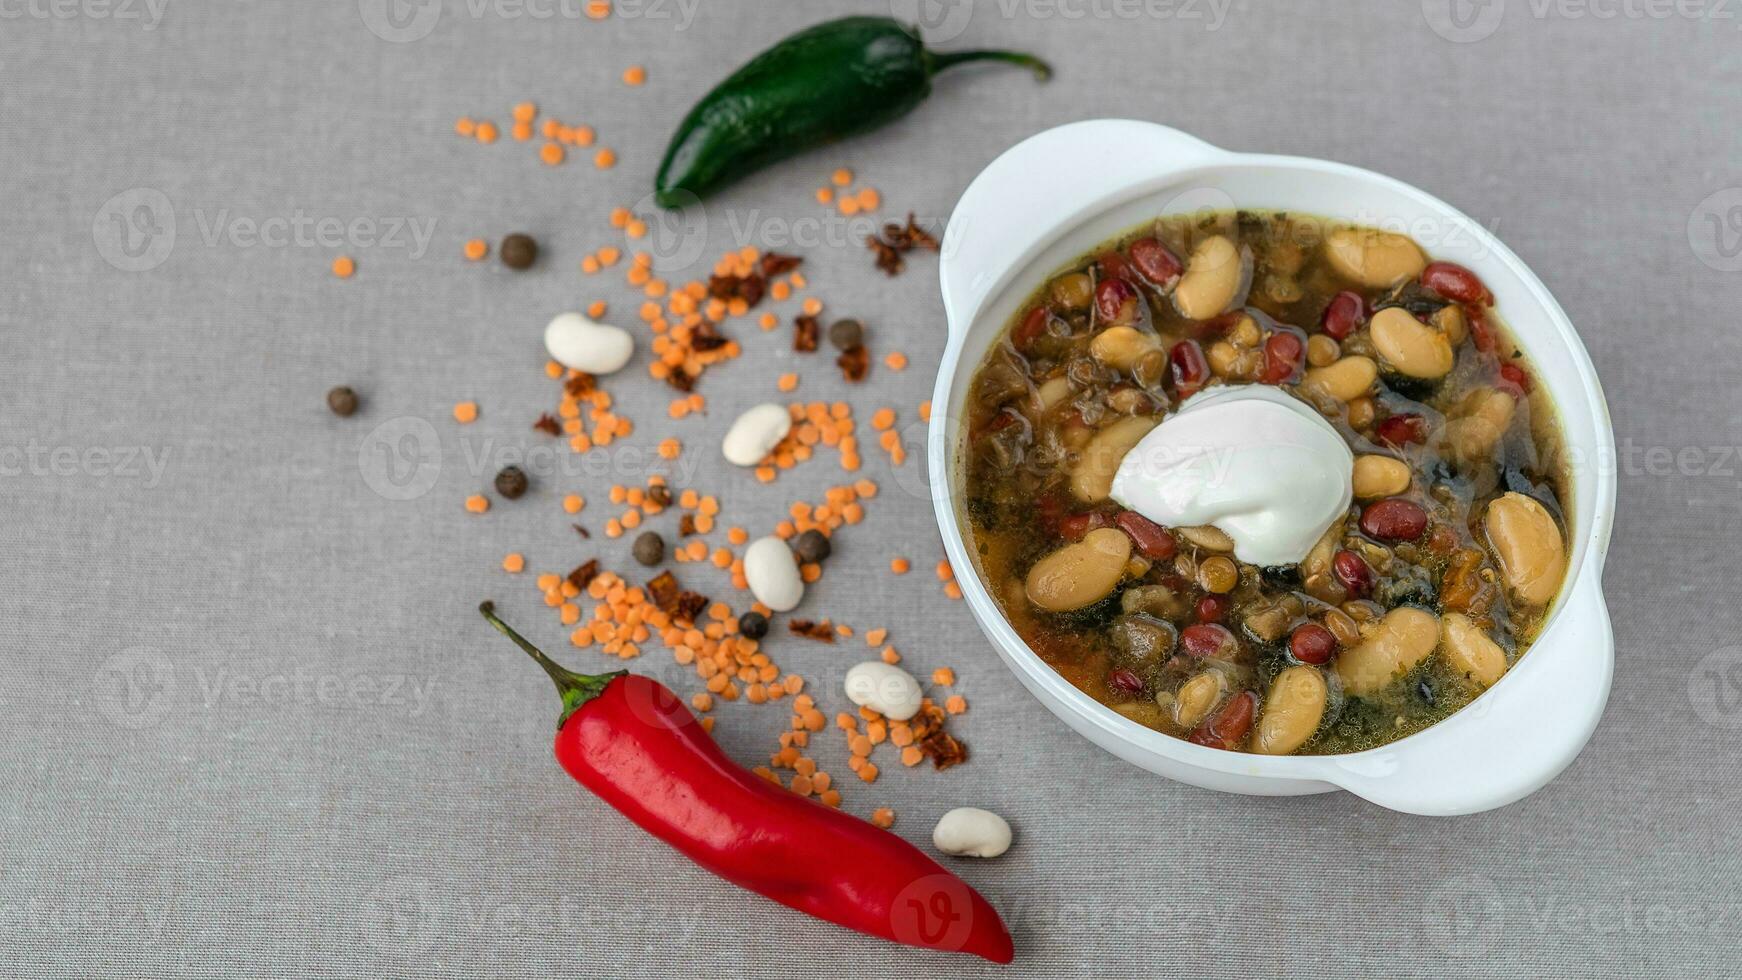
(1259, 464)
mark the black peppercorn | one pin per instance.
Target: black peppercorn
(812, 546)
(518, 251)
(649, 549)
(753, 625)
(511, 482)
(342, 400)
(844, 335)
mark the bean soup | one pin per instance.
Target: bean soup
(1424, 590)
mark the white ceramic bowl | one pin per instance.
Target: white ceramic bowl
(1050, 199)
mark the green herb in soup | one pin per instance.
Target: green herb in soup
(1419, 597)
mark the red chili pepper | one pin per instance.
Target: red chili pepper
(632, 742)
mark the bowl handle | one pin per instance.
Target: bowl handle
(1510, 741)
(1027, 195)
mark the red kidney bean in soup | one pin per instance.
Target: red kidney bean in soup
(1416, 599)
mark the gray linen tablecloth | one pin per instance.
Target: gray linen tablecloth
(252, 724)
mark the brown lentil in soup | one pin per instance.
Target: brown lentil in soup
(1417, 600)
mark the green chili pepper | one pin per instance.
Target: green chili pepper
(821, 84)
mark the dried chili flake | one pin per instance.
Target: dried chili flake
(897, 240)
(722, 287)
(806, 330)
(943, 750)
(690, 606)
(928, 734)
(680, 379)
(663, 589)
(583, 532)
(581, 384)
(774, 264)
(854, 362)
(888, 260)
(930, 718)
(705, 338)
(548, 425)
(584, 574)
(823, 632)
(910, 237)
(748, 288)
(686, 525)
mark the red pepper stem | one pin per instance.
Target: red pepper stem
(576, 689)
(936, 62)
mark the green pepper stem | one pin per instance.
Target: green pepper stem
(576, 689)
(937, 61)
